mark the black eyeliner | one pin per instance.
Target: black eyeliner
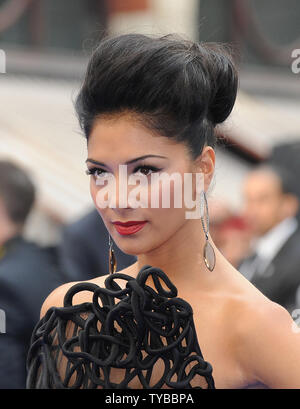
(149, 167)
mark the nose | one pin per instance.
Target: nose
(123, 193)
(121, 208)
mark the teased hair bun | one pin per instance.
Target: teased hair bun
(224, 81)
(180, 88)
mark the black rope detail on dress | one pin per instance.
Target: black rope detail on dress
(146, 326)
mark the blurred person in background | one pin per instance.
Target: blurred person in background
(229, 231)
(27, 274)
(234, 239)
(84, 247)
(220, 211)
(271, 208)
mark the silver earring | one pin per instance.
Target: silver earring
(111, 258)
(208, 251)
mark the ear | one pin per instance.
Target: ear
(205, 164)
(291, 205)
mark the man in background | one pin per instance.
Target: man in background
(28, 273)
(271, 208)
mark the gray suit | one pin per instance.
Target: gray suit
(281, 279)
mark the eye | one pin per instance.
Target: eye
(96, 172)
(145, 169)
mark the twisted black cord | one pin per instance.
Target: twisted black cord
(144, 328)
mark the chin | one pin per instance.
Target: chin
(135, 245)
(133, 250)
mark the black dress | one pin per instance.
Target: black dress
(145, 339)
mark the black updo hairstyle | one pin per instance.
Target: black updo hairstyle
(180, 88)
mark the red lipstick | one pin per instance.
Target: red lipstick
(129, 227)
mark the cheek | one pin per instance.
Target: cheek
(168, 211)
(93, 191)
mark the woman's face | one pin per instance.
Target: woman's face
(116, 140)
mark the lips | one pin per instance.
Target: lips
(130, 227)
(130, 223)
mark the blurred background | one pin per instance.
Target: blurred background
(47, 44)
(253, 200)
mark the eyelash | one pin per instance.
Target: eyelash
(93, 171)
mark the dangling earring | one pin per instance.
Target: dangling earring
(208, 251)
(112, 257)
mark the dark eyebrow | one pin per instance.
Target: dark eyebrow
(129, 161)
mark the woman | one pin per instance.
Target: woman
(153, 104)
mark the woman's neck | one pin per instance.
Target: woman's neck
(181, 257)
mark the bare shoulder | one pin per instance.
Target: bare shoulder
(56, 297)
(252, 311)
(267, 340)
(257, 313)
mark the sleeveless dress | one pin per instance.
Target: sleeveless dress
(132, 337)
